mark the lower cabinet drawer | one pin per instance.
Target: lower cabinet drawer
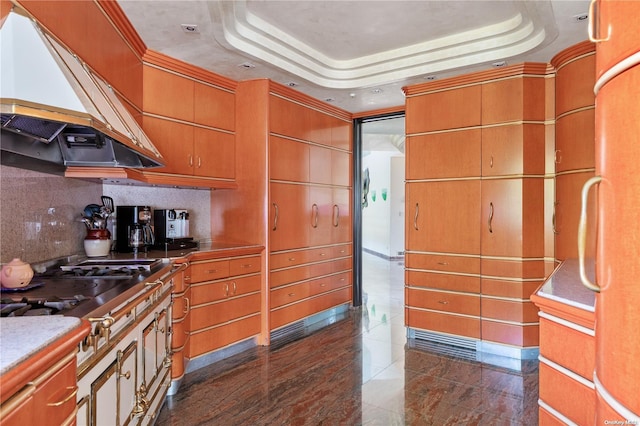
(568, 396)
(509, 310)
(441, 281)
(467, 304)
(289, 294)
(206, 271)
(55, 398)
(443, 323)
(568, 347)
(204, 316)
(434, 262)
(308, 307)
(526, 335)
(219, 337)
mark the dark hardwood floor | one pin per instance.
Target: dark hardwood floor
(359, 371)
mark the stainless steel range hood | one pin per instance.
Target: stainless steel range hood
(54, 109)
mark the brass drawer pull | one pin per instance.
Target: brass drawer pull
(415, 217)
(582, 234)
(66, 399)
(314, 209)
(275, 217)
(490, 218)
(443, 302)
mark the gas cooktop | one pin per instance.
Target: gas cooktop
(76, 288)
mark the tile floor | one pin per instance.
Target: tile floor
(358, 371)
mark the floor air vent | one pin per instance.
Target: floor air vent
(443, 349)
(445, 339)
(287, 334)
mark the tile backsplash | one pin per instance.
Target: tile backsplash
(40, 213)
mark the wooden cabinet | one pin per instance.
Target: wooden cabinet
(180, 336)
(191, 122)
(476, 192)
(618, 229)
(225, 302)
(42, 388)
(567, 348)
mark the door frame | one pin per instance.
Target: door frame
(357, 199)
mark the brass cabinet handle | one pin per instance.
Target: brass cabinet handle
(199, 161)
(314, 210)
(211, 271)
(491, 162)
(557, 157)
(443, 302)
(490, 217)
(235, 288)
(291, 294)
(336, 215)
(74, 392)
(553, 218)
(594, 23)
(190, 160)
(275, 217)
(226, 289)
(415, 217)
(126, 375)
(187, 305)
(582, 234)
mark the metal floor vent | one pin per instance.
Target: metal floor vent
(445, 339)
(287, 334)
(443, 349)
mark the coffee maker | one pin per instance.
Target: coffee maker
(133, 229)
(172, 229)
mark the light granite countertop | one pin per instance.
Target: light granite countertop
(23, 337)
(564, 286)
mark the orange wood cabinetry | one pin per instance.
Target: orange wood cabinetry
(476, 174)
(618, 229)
(42, 389)
(225, 302)
(191, 122)
(180, 325)
(575, 146)
(567, 348)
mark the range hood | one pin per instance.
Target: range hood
(55, 111)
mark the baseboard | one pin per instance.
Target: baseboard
(382, 255)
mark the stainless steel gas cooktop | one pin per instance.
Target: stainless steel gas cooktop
(77, 288)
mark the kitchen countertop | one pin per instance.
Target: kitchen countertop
(23, 337)
(564, 286)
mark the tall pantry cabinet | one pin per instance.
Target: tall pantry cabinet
(294, 196)
(617, 130)
(476, 181)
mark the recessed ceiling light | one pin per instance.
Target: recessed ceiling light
(292, 84)
(329, 99)
(581, 17)
(190, 28)
(499, 64)
(352, 95)
(247, 65)
(430, 77)
(376, 91)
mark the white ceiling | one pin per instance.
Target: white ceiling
(359, 54)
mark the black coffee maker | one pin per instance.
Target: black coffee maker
(133, 229)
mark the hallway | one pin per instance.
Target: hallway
(358, 371)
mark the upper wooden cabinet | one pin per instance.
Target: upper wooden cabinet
(575, 141)
(443, 155)
(214, 107)
(614, 22)
(513, 99)
(513, 149)
(167, 94)
(455, 108)
(574, 81)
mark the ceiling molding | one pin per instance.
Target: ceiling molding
(517, 34)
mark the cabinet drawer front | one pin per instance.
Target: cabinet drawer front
(57, 389)
(443, 281)
(509, 310)
(209, 271)
(340, 265)
(570, 348)
(286, 276)
(218, 337)
(307, 307)
(568, 396)
(511, 334)
(205, 293)
(527, 269)
(245, 265)
(294, 293)
(283, 260)
(435, 262)
(444, 323)
(507, 288)
(242, 306)
(342, 250)
(443, 301)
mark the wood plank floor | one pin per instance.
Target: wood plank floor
(359, 371)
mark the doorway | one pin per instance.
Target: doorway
(379, 210)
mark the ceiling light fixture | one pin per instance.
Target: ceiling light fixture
(329, 99)
(430, 77)
(377, 91)
(352, 95)
(499, 64)
(190, 28)
(292, 84)
(247, 65)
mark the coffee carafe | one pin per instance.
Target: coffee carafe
(133, 229)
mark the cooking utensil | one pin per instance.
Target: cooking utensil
(107, 202)
(90, 209)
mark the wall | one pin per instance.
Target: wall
(39, 213)
(383, 220)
